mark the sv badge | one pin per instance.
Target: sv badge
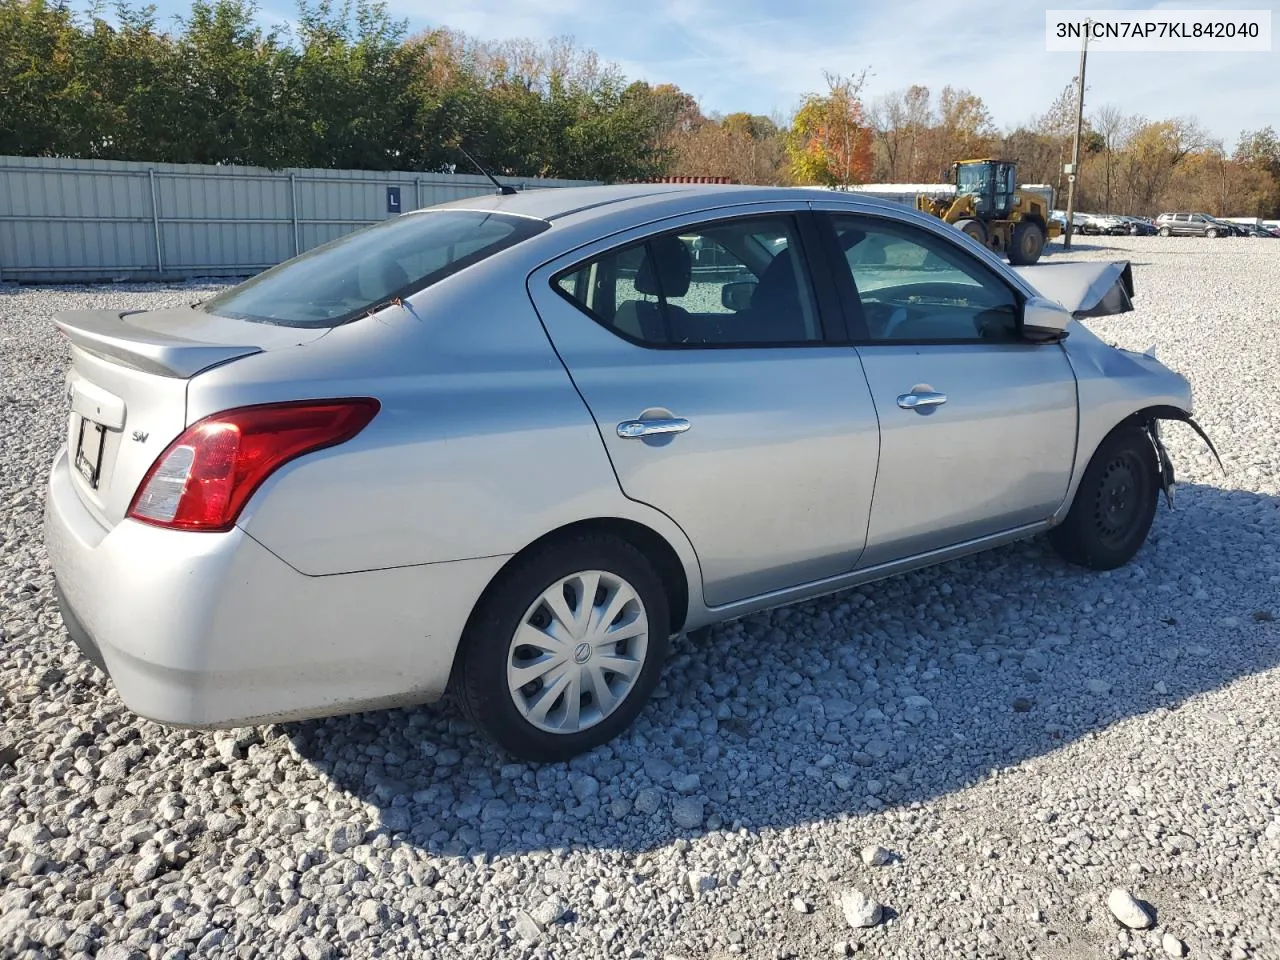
(140, 436)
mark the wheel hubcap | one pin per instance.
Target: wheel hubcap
(1117, 507)
(578, 652)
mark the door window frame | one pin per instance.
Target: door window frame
(858, 332)
(811, 249)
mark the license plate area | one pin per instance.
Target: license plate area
(89, 446)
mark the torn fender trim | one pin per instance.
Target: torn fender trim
(1173, 413)
(1085, 289)
(1163, 463)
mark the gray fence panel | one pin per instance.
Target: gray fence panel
(96, 220)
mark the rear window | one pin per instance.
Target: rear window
(362, 271)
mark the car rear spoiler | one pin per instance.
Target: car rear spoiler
(1086, 289)
(104, 333)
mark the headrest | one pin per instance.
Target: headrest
(666, 269)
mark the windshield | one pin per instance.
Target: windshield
(358, 272)
(971, 178)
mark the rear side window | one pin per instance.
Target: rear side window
(737, 283)
(348, 277)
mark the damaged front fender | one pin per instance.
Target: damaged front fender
(1150, 419)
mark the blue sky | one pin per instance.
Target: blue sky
(764, 55)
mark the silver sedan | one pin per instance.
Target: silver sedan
(508, 447)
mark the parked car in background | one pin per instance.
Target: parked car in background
(510, 445)
(1138, 227)
(1191, 225)
(1103, 224)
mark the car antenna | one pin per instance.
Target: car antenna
(503, 189)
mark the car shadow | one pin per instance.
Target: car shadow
(999, 691)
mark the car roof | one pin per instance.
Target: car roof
(557, 203)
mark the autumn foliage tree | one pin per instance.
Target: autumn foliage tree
(830, 138)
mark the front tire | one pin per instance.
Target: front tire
(565, 649)
(1211, 234)
(1115, 504)
(974, 228)
(1026, 244)
(1166, 232)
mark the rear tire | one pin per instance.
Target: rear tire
(974, 228)
(1027, 243)
(528, 624)
(1113, 509)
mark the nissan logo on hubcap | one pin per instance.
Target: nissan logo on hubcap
(582, 653)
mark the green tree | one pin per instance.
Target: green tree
(44, 101)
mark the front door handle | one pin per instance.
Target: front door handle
(637, 429)
(923, 399)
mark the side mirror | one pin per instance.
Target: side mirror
(1045, 320)
(736, 296)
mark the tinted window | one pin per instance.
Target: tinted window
(740, 282)
(345, 278)
(914, 286)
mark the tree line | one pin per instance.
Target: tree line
(349, 87)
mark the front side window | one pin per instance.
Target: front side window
(917, 287)
(733, 283)
(349, 276)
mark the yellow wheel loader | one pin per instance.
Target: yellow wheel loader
(989, 207)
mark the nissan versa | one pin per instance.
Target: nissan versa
(509, 446)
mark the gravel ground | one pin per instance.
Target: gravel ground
(1019, 738)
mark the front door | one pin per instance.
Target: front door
(700, 352)
(978, 427)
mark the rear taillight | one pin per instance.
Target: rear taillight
(205, 477)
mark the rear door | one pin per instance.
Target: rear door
(978, 427)
(701, 348)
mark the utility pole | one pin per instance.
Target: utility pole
(1075, 147)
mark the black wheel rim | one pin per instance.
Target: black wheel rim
(1118, 503)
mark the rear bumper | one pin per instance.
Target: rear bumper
(76, 630)
(214, 630)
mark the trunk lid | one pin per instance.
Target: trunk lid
(127, 388)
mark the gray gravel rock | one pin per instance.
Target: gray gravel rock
(859, 909)
(700, 882)
(549, 911)
(648, 801)
(688, 812)
(527, 928)
(1129, 910)
(876, 856)
(1173, 946)
(30, 836)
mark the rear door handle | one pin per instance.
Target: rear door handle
(637, 429)
(917, 401)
